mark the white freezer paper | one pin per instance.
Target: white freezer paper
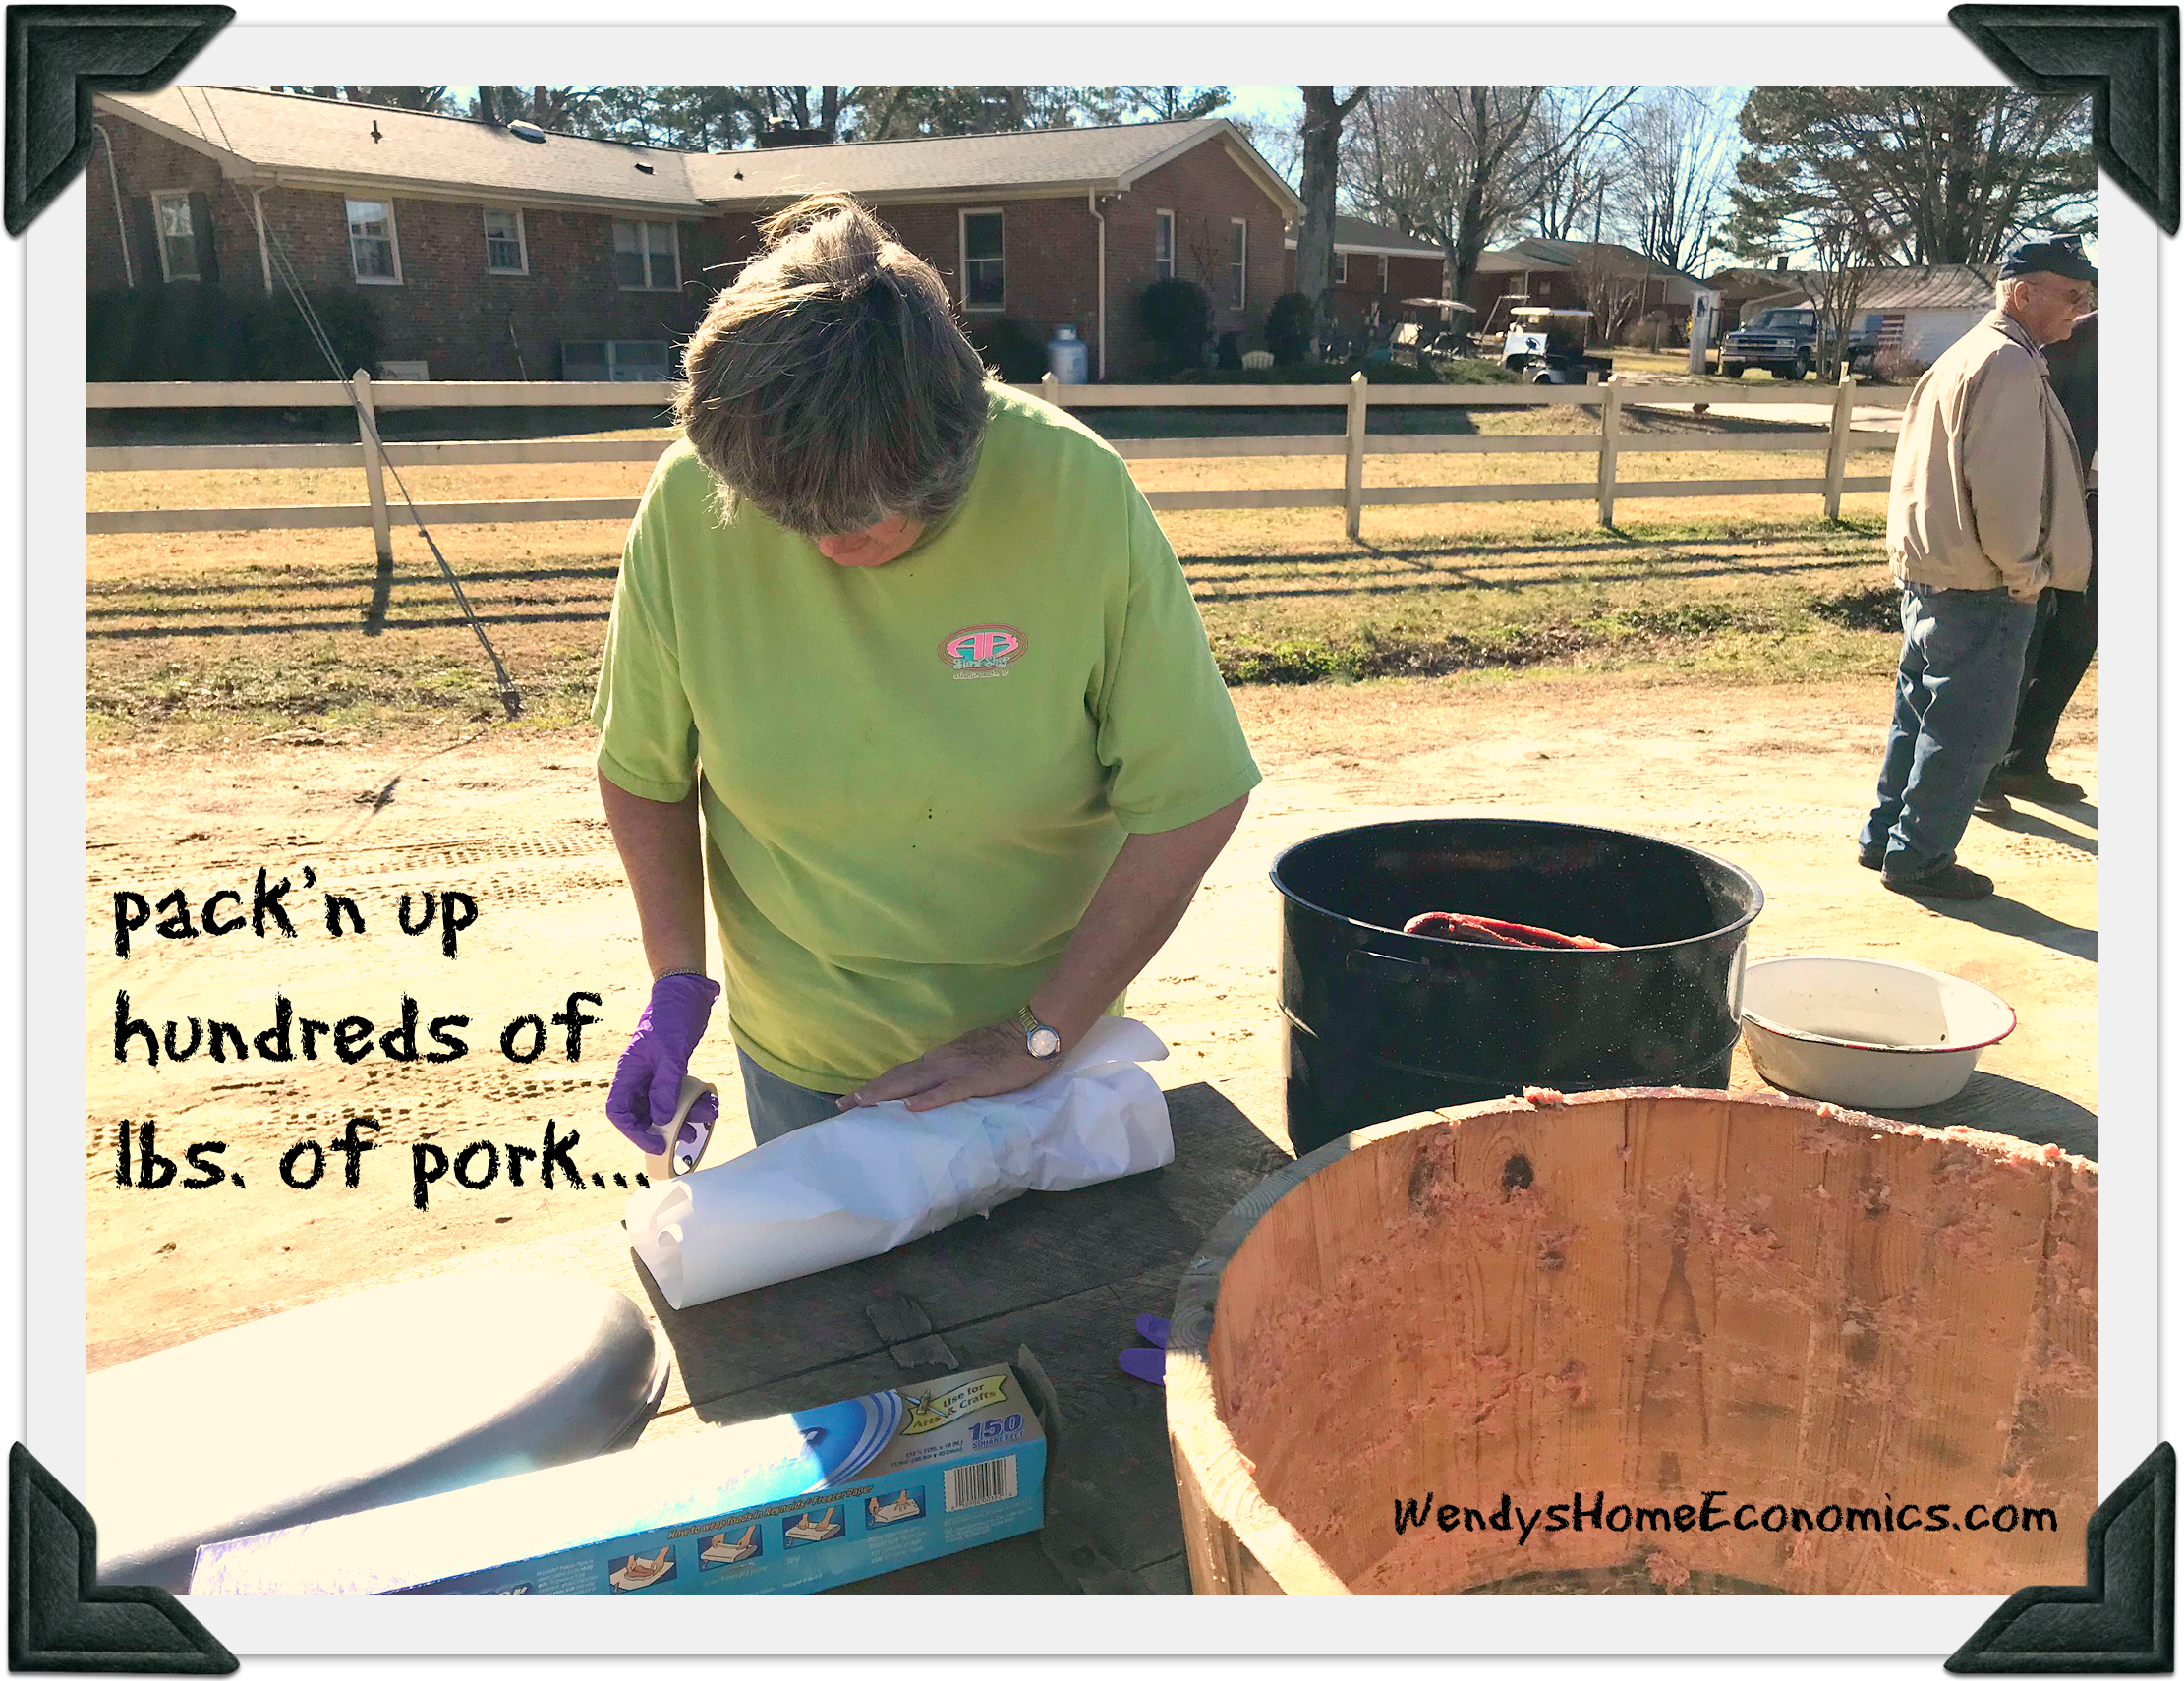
(863, 1182)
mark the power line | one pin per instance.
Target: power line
(504, 687)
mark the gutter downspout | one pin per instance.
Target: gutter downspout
(121, 222)
(265, 257)
(1092, 201)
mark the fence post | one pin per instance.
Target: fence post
(1354, 464)
(1050, 388)
(1611, 426)
(368, 431)
(1839, 442)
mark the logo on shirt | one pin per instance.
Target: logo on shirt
(983, 650)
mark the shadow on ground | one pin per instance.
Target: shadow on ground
(2005, 915)
(1994, 1103)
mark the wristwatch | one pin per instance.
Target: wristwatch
(1040, 1040)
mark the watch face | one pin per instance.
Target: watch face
(1045, 1042)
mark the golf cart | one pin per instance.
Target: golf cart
(1551, 345)
(1437, 328)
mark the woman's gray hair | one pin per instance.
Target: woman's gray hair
(831, 387)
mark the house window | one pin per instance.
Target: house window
(623, 360)
(982, 268)
(1164, 245)
(375, 257)
(1383, 273)
(178, 239)
(506, 252)
(1341, 268)
(647, 256)
(1240, 247)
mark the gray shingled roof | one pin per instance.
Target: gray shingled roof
(1354, 233)
(1945, 286)
(1942, 286)
(1539, 253)
(307, 141)
(296, 137)
(1111, 158)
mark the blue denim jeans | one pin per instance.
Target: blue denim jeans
(776, 1106)
(1956, 703)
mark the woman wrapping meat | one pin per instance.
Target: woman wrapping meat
(902, 669)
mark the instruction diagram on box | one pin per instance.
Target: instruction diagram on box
(643, 1570)
(730, 1547)
(814, 1527)
(893, 1506)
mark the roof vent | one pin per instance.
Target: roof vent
(528, 131)
(644, 169)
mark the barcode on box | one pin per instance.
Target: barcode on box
(979, 1485)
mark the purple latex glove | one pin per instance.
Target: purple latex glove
(648, 1080)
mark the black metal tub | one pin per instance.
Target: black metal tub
(1380, 1023)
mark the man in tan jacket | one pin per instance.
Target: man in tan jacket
(1986, 510)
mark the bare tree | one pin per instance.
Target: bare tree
(1677, 155)
(1842, 249)
(1578, 159)
(1320, 138)
(1462, 165)
(1613, 283)
(1165, 103)
(561, 109)
(1453, 165)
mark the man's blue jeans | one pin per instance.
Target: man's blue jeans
(1956, 703)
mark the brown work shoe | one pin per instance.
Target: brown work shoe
(1944, 881)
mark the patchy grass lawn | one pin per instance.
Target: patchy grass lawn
(237, 636)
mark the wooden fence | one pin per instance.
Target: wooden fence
(1608, 441)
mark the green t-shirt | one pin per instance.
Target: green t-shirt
(913, 776)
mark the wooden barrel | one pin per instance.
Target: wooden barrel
(1874, 1342)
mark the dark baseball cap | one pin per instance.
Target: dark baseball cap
(2065, 257)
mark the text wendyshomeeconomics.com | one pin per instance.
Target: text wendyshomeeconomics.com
(1714, 1513)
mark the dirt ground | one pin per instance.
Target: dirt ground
(1772, 779)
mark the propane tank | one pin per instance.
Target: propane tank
(1068, 357)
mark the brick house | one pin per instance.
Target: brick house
(1051, 226)
(489, 255)
(1375, 268)
(1564, 273)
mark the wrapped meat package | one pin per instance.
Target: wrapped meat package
(863, 1182)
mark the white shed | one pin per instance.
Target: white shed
(1918, 311)
(1924, 311)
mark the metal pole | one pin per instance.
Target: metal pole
(368, 429)
(1353, 465)
(1839, 442)
(264, 254)
(121, 222)
(1611, 425)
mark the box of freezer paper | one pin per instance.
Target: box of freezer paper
(789, 1505)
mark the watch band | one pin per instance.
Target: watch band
(1033, 1027)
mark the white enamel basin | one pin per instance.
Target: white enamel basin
(1868, 1033)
